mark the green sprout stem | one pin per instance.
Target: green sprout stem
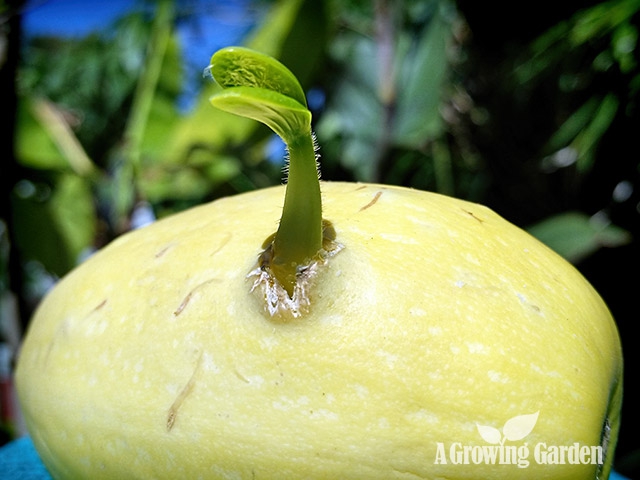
(257, 86)
(299, 236)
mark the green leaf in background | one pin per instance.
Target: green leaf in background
(389, 88)
(147, 84)
(575, 235)
(587, 140)
(573, 125)
(601, 19)
(423, 73)
(55, 223)
(354, 116)
(34, 147)
(163, 115)
(614, 18)
(45, 139)
(583, 130)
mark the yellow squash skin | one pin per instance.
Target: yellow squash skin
(153, 359)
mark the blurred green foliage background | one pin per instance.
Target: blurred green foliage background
(532, 110)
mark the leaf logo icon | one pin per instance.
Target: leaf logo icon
(518, 427)
(515, 428)
(489, 434)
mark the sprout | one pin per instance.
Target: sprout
(257, 86)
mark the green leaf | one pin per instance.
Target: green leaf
(285, 116)
(588, 139)
(601, 19)
(575, 235)
(573, 125)
(420, 85)
(244, 67)
(45, 139)
(160, 125)
(625, 43)
(354, 117)
(584, 129)
(585, 26)
(259, 87)
(56, 225)
(176, 184)
(187, 183)
(34, 146)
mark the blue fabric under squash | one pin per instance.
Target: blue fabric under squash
(20, 461)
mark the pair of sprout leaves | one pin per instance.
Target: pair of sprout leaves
(257, 86)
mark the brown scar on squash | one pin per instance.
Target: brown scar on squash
(164, 250)
(186, 299)
(473, 215)
(99, 306)
(372, 202)
(183, 304)
(95, 309)
(184, 393)
(240, 376)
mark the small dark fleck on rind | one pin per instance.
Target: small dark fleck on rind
(100, 305)
(163, 251)
(473, 215)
